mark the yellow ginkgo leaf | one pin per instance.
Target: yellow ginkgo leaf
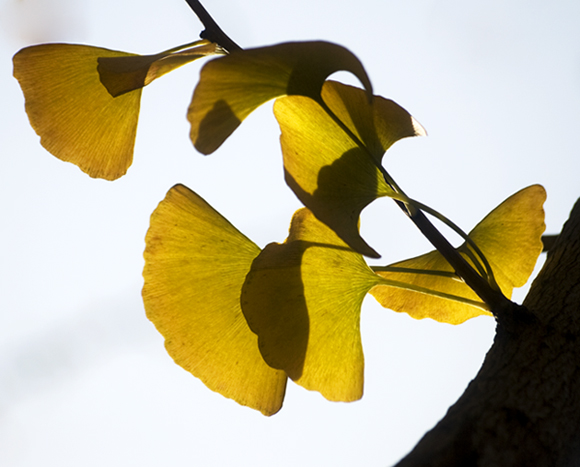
(378, 124)
(71, 105)
(337, 175)
(195, 265)
(303, 299)
(509, 237)
(231, 87)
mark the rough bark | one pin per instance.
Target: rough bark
(523, 408)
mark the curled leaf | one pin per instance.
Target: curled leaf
(195, 265)
(378, 124)
(303, 299)
(338, 174)
(84, 101)
(509, 237)
(125, 74)
(231, 87)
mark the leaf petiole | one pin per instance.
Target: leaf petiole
(484, 270)
(435, 293)
(427, 272)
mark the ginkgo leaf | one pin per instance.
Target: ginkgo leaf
(333, 173)
(71, 106)
(509, 237)
(231, 87)
(195, 265)
(303, 299)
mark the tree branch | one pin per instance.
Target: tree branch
(212, 31)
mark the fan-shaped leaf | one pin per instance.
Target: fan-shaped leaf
(303, 299)
(334, 172)
(510, 239)
(231, 87)
(69, 94)
(195, 265)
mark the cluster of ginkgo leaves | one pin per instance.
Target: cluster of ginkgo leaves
(241, 319)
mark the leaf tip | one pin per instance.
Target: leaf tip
(418, 128)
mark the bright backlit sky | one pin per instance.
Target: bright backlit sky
(84, 378)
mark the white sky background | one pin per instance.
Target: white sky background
(84, 377)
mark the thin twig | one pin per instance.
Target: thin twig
(212, 31)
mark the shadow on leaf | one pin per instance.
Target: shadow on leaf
(220, 120)
(274, 305)
(344, 189)
(303, 299)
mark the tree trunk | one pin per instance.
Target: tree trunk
(523, 408)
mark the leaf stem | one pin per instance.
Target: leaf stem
(435, 293)
(490, 295)
(496, 300)
(485, 269)
(427, 272)
(212, 31)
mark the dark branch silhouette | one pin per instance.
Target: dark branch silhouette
(212, 31)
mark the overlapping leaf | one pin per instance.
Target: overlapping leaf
(84, 101)
(231, 87)
(303, 299)
(195, 265)
(124, 74)
(333, 167)
(510, 239)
